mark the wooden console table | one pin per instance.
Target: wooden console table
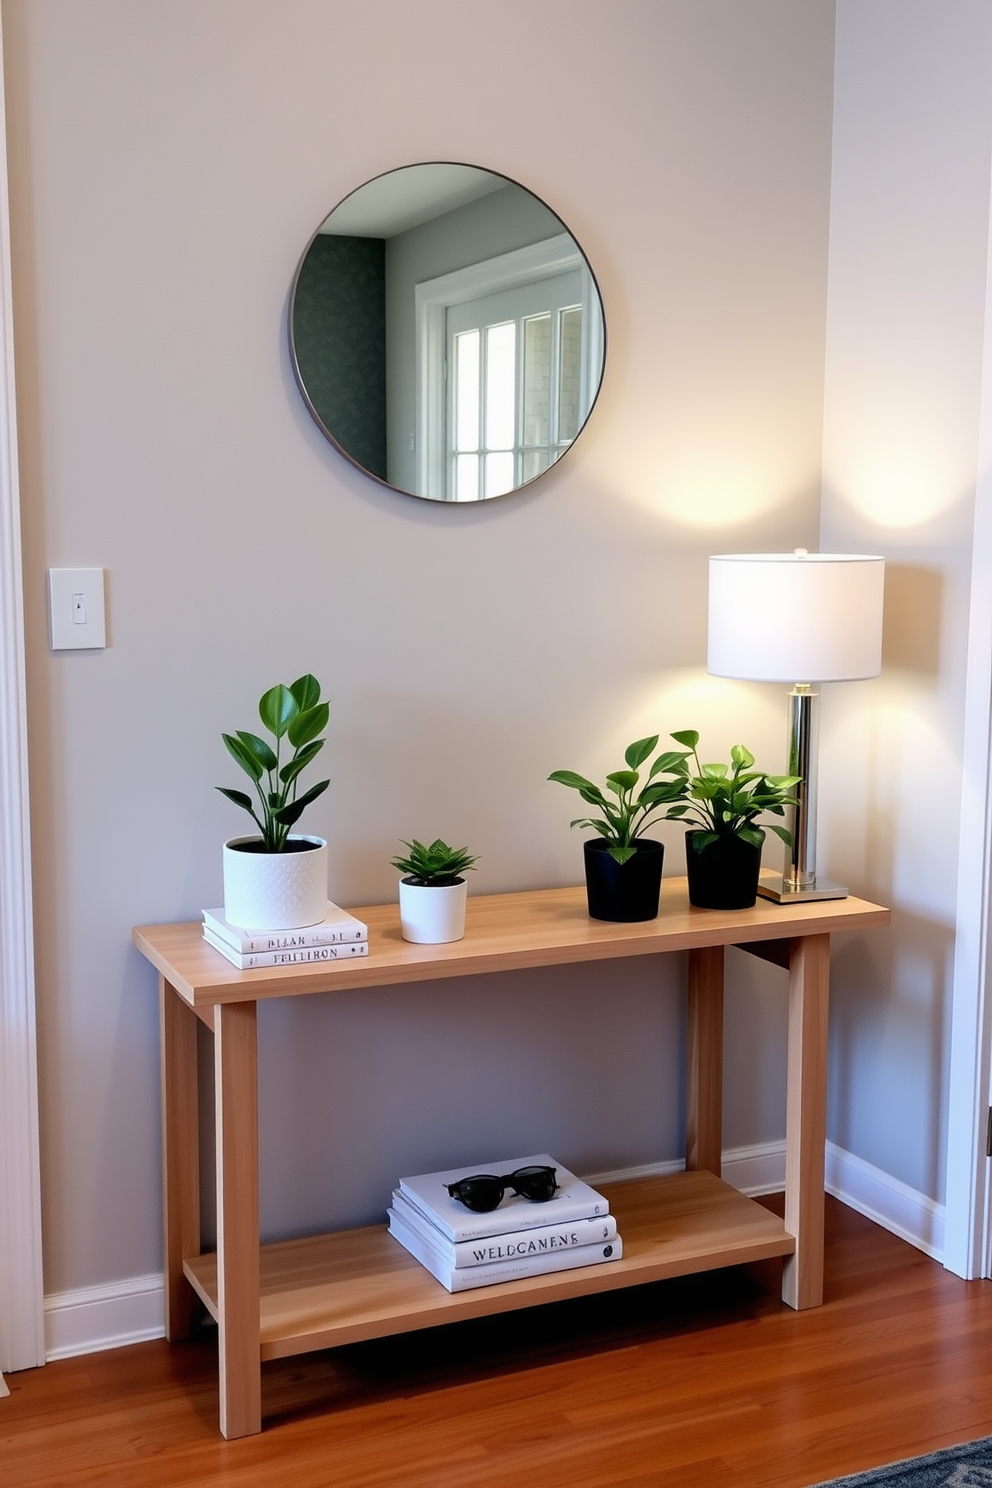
(294, 1296)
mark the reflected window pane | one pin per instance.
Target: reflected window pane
(501, 350)
(467, 391)
(569, 373)
(537, 379)
(532, 463)
(466, 477)
(499, 473)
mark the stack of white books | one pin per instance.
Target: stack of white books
(463, 1249)
(338, 936)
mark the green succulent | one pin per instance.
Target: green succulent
(436, 866)
(297, 715)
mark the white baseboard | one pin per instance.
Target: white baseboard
(90, 1319)
(890, 1203)
(759, 1169)
(902, 1210)
(751, 1170)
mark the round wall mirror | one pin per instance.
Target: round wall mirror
(447, 332)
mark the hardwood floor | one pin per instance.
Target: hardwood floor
(704, 1381)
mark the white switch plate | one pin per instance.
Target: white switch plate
(76, 612)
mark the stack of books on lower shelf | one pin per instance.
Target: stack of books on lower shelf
(520, 1237)
(337, 937)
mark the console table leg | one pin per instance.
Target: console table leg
(180, 1155)
(236, 1118)
(806, 1118)
(704, 1061)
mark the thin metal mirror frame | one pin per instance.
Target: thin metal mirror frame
(294, 360)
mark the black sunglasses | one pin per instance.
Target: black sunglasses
(484, 1191)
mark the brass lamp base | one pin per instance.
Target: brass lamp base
(773, 886)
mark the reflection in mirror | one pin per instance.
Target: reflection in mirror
(446, 332)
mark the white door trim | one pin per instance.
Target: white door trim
(22, 1332)
(968, 1192)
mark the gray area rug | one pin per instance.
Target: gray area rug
(967, 1466)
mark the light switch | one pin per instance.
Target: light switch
(76, 609)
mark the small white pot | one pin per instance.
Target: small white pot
(431, 914)
(275, 891)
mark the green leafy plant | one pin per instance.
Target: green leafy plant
(625, 812)
(723, 800)
(297, 715)
(436, 866)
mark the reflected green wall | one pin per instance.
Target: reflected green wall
(339, 328)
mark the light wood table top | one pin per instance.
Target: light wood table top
(504, 932)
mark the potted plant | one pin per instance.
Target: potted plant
(623, 867)
(723, 844)
(433, 891)
(276, 880)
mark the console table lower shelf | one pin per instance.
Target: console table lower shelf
(327, 1290)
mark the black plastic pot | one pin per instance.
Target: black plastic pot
(724, 874)
(623, 891)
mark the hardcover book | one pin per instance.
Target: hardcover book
(574, 1200)
(469, 1277)
(341, 950)
(337, 925)
(517, 1244)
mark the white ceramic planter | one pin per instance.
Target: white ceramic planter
(275, 891)
(432, 914)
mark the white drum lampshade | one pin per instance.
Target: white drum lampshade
(802, 618)
(795, 617)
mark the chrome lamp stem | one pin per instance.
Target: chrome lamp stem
(798, 880)
(804, 739)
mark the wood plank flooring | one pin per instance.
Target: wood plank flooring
(708, 1381)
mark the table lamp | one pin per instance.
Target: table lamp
(802, 618)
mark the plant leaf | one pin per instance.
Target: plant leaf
(688, 737)
(594, 824)
(306, 691)
(662, 790)
(311, 794)
(277, 708)
(638, 752)
(307, 725)
(238, 797)
(622, 780)
(672, 761)
(287, 815)
(569, 778)
(299, 762)
(754, 835)
(595, 797)
(243, 755)
(259, 749)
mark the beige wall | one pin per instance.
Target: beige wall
(909, 237)
(168, 163)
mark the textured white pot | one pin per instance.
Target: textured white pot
(432, 914)
(275, 891)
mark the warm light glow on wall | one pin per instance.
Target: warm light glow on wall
(899, 487)
(725, 712)
(701, 492)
